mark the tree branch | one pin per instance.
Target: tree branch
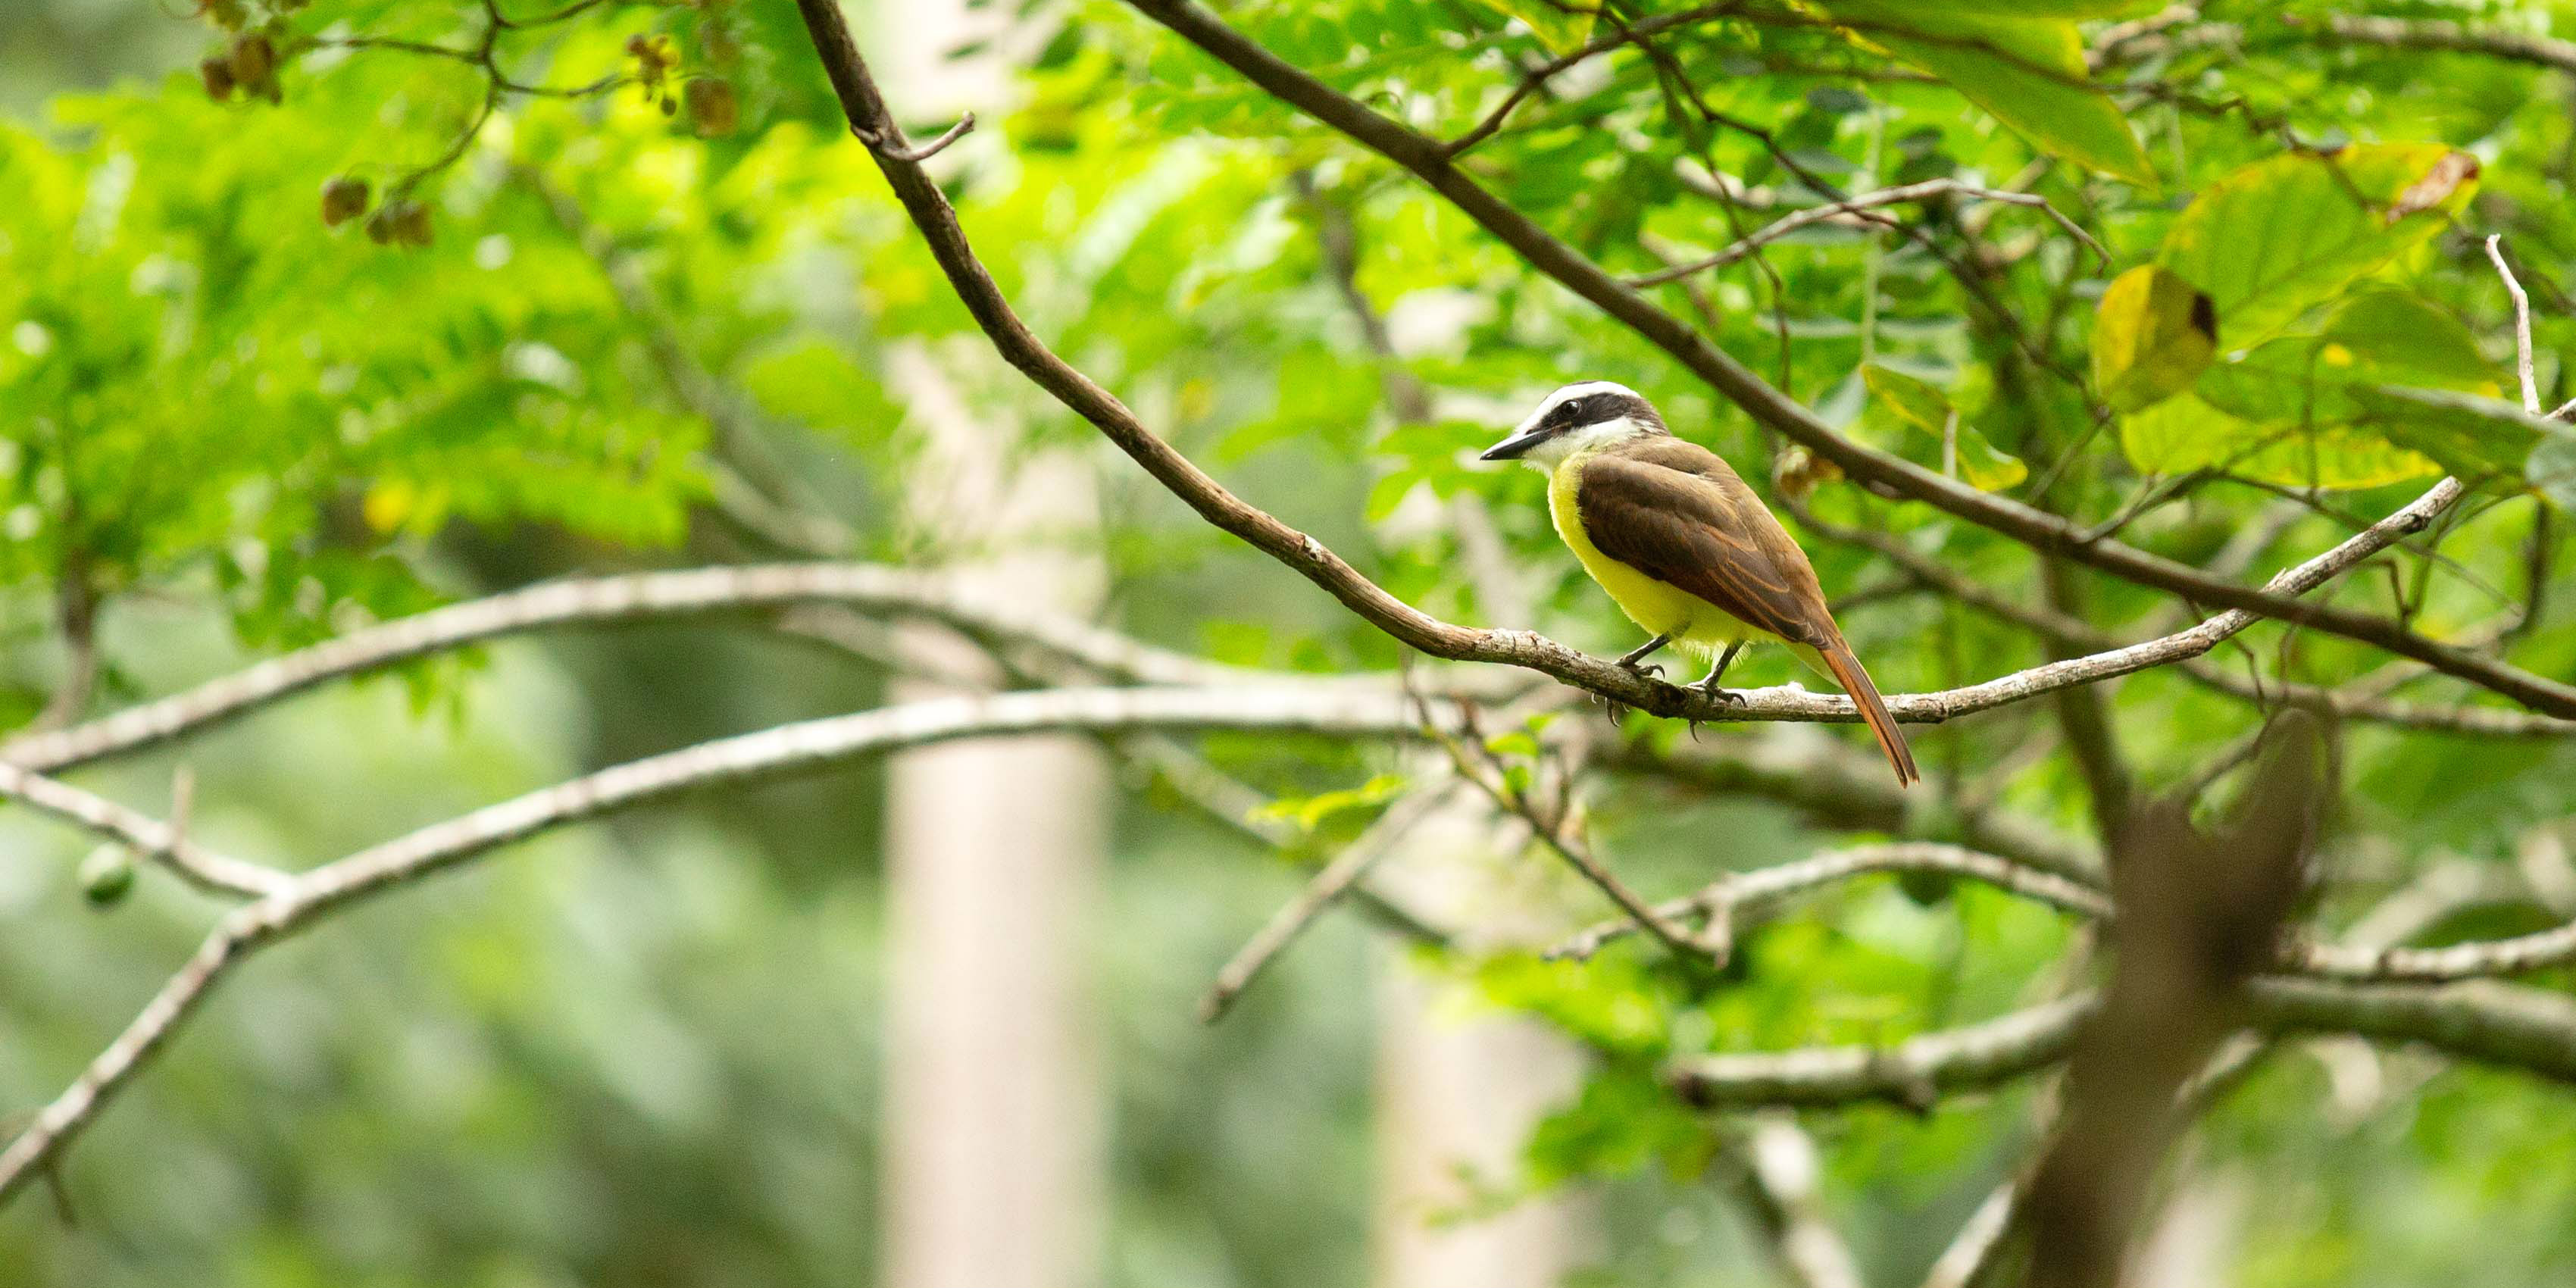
(2398, 33)
(1737, 896)
(631, 597)
(2525, 1029)
(154, 839)
(809, 745)
(1767, 405)
(1835, 210)
(937, 221)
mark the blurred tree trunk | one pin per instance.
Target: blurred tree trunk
(1459, 1086)
(992, 1173)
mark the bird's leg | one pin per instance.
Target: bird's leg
(1635, 658)
(1708, 684)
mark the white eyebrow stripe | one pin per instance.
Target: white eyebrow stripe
(1571, 392)
(1568, 393)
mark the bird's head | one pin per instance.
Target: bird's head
(1575, 418)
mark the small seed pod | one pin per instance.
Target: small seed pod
(217, 73)
(254, 61)
(411, 227)
(107, 875)
(380, 225)
(712, 108)
(343, 199)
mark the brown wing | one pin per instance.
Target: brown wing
(1674, 511)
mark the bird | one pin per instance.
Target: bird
(1684, 548)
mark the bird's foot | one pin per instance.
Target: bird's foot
(1650, 670)
(1724, 697)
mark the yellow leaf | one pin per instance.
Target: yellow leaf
(2152, 336)
(388, 503)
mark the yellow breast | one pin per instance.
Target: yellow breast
(1660, 607)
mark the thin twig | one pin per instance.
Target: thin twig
(892, 147)
(1318, 894)
(1740, 894)
(2521, 323)
(164, 843)
(1857, 203)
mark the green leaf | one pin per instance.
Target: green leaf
(2152, 336)
(2185, 433)
(1561, 28)
(1310, 812)
(2471, 436)
(2029, 72)
(2280, 237)
(1924, 406)
(2383, 337)
(2552, 470)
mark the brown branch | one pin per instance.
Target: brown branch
(1766, 404)
(937, 221)
(1857, 202)
(1538, 77)
(2198, 914)
(2398, 33)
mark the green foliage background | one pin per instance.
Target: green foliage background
(644, 1053)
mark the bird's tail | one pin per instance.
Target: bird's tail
(1849, 673)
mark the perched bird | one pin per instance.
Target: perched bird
(1684, 547)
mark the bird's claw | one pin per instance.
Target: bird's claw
(1650, 670)
(1722, 697)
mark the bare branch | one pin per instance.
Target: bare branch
(2521, 323)
(890, 144)
(1538, 77)
(809, 745)
(1781, 1182)
(1554, 830)
(2398, 33)
(1860, 201)
(2539, 950)
(2527, 1029)
(161, 842)
(1739, 895)
(731, 588)
(1912, 1073)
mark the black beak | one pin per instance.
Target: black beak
(1514, 447)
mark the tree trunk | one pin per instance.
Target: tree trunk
(993, 1096)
